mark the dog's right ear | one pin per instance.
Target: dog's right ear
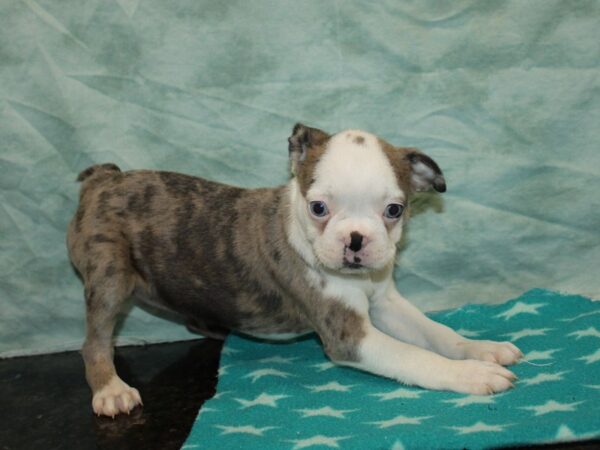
(302, 140)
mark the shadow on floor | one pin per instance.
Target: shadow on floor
(46, 402)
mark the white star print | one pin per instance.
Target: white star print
(527, 332)
(328, 441)
(537, 355)
(400, 420)
(591, 358)
(551, 406)
(205, 409)
(591, 331)
(398, 393)
(471, 399)
(257, 374)
(278, 360)
(480, 427)
(521, 308)
(263, 399)
(220, 394)
(468, 333)
(543, 377)
(223, 369)
(244, 429)
(333, 386)
(229, 351)
(565, 433)
(325, 411)
(580, 316)
(323, 366)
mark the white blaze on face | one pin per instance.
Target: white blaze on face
(356, 181)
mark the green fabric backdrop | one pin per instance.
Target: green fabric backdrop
(503, 94)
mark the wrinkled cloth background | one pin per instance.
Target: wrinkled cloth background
(505, 95)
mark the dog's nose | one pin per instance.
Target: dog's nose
(356, 240)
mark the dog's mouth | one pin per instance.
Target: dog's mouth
(353, 265)
(351, 261)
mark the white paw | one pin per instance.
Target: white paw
(479, 377)
(115, 397)
(503, 353)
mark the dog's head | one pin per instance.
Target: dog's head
(354, 191)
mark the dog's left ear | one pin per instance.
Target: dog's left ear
(424, 172)
(302, 140)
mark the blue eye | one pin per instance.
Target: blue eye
(393, 210)
(318, 209)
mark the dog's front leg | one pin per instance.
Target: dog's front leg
(397, 317)
(350, 339)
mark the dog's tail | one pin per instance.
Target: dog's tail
(96, 169)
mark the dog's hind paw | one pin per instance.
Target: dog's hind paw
(115, 397)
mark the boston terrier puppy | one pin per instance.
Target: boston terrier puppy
(314, 255)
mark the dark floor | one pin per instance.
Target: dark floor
(45, 402)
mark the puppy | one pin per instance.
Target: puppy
(316, 255)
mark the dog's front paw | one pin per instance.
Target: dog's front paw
(479, 377)
(504, 353)
(115, 397)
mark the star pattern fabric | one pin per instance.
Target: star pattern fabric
(289, 396)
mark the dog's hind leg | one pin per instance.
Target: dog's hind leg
(109, 280)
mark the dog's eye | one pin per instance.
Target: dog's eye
(318, 209)
(393, 210)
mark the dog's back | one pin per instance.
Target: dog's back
(181, 243)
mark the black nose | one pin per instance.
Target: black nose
(355, 241)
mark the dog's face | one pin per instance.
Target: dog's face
(355, 189)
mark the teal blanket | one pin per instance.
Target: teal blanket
(289, 396)
(504, 95)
